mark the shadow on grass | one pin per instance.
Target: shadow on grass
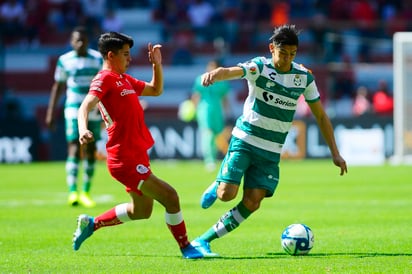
(280, 255)
(314, 255)
(347, 254)
(361, 254)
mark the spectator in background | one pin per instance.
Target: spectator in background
(112, 22)
(383, 100)
(337, 12)
(361, 104)
(365, 17)
(280, 13)
(200, 14)
(173, 17)
(229, 12)
(343, 88)
(36, 20)
(390, 13)
(94, 12)
(72, 14)
(318, 29)
(182, 54)
(12, 14)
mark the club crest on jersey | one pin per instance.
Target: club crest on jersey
(252, 70)
(142, 169)
(297, 80)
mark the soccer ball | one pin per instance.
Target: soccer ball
(297, 239)
(186, 111)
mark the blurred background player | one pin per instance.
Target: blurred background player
(211, 109)
(74, 72)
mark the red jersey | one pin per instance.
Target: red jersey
(128, 136)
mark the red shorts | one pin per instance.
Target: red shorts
(131, 175)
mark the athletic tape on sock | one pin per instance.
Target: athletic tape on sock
(121, 212)
(174, 218)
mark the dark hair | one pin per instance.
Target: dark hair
(285, 35)
(80, 29)
(113, 41)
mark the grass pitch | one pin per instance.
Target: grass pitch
(361, 221)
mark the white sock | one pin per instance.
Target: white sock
(121, 212)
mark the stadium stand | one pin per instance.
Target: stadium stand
(243, 27)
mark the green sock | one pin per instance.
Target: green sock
(88, 167)
(228, 222)
(72, 169)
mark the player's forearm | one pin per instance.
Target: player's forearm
(54, 96)
(82, 117)
(326, 129)
(221, 74)
(227, 73)
(87, 105)
(157, 80)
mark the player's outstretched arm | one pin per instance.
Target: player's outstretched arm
(221, 74)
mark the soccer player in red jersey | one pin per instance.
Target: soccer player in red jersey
(117, 96)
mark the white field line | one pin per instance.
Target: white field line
(59, 199)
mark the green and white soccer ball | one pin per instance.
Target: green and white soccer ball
(297, 239)
(186, 111)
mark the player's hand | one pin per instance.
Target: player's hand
(86, 137)
(50, 123)
(340, 162)
(155, 55)
(207, 79)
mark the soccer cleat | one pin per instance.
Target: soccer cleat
(86, 201)
(73, 198)
(189, 252)
(203, 247)
(85, 228)
(209, 196)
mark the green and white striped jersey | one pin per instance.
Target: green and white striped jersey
(77, 72)
(271, 103)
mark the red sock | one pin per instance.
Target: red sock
(179, 233)
(109, 218)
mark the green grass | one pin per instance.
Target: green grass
(362, 223)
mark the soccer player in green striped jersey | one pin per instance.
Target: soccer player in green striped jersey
(73, 74)
(275, 84)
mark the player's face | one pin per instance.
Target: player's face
(79, 42)
(121, 60)
(283, 56)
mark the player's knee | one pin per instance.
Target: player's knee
(143, 213)
(226, 196)
(251, 204)
(172, 195)
(171, 200)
